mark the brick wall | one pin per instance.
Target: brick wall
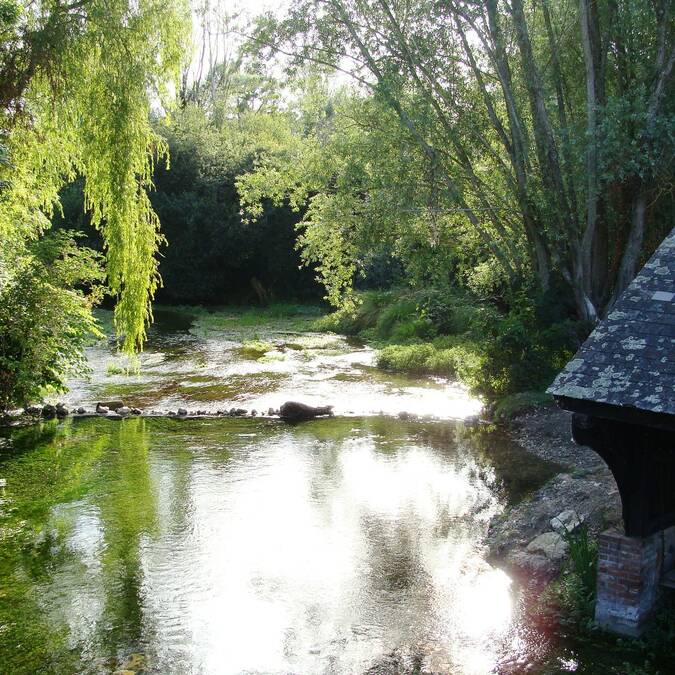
(629, 569)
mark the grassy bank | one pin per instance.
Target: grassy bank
(507, 357)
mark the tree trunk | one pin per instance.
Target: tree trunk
(631, 253)
(665, 61)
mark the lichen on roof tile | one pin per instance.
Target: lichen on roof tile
(628, 361)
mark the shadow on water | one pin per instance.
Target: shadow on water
(227, 546)
(343, 545)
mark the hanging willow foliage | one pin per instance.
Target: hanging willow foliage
(78, 82)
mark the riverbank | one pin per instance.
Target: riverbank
(529, 538)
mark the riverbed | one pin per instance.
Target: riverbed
(351, 544)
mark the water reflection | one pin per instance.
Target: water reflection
(206, 369)
(243, 546)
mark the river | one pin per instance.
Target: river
(352, 544)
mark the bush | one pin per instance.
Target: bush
(45, 317)
(406, 358)
(448, 333)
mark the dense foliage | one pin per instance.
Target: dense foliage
(45, 317)
(212, 256)
(540, 132)
(77, 82)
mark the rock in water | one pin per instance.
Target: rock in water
(81, 410)
(182, 412)
(49, 410)
(102, 410)
(124, 410)
(293, 411)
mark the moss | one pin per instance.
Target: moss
(255, 348)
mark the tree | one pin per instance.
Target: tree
(489, 93)
(45, 317)
(78, 82)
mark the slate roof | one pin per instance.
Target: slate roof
(628, 361)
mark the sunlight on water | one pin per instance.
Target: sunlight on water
(243, 546)
(209, 372)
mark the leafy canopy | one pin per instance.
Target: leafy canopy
(78, 82)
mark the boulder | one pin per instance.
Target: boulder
(48, 410)
(62, 411)
(81, 410)
(271, 411)
(182, 412)
(33, 410)
(124, 411)
(567, 521)
(549, 544)
(532, 564)
(136, 411)
(102, 410)
(292, 411)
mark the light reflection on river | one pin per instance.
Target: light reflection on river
(202, 367)
(347, 545)
(344, 545)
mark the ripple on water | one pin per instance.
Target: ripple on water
(231, 546)
(180, 367)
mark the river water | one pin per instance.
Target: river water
(352, 544)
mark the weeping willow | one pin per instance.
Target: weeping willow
(79, 82)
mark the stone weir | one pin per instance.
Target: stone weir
(291, 411)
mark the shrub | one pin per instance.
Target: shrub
(45, 317)
(406, 358)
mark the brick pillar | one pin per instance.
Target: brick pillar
(629, 569)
